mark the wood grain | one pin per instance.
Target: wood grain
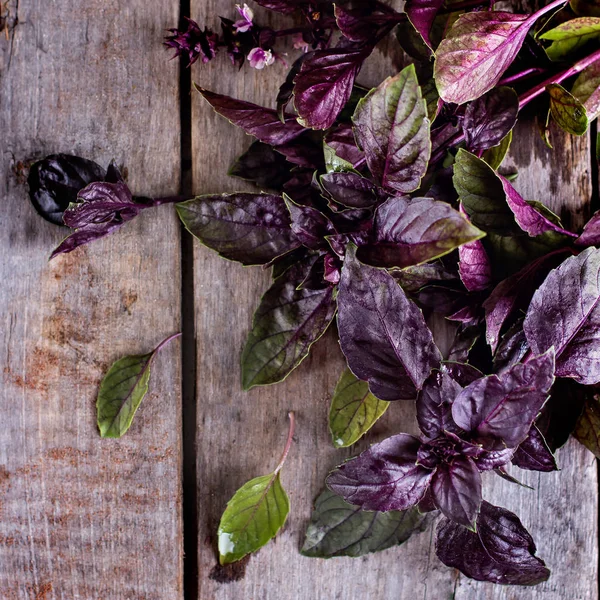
(82, 517)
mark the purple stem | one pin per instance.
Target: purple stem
(522, 75)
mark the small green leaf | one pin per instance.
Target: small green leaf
(587, 430)
(586, 89)
(354, 410)
(122, 390)
(495, 156)
(568, 37)
(257, 511)
(334, 163)
(339, 529)
(568, 112)
(253, 516)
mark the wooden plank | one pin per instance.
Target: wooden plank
(83, 517)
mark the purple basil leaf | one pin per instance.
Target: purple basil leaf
(309, 225)
(463, 343)
(101, 208)
(285, 325)
(494, 459)
(421, 14)
(382, 333)
(303, 151)
(413, 231)
(55, 181)
(513, 292)
(385, 477)
(565, 313)
(590, 236)
(392, 127)
(502, 551)
(365, 23)
(474, 264)
(324, 84)
(512, 348)
(456, 490)
(529, 219)
(284, 95)
(533, 453)
(263, 123)
(490, 118)
(350, 189)
(434, 404)
(500, 409)
(476, 51)
(414, 278)
(501, 472)
(341, 139)
(249, 228)
(463, 373)
(283, 6)
(261, 165)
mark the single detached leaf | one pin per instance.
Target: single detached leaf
(587, 430)
(564, 313)
(285, 325)
(490, 118)
(533, 453)
(500, 409)
(122, 390)
(586, 89)
(502, 551)
(570, 36)
(249, 228)
(392, 127)
(413, 231)
(324, 85)
(337, 528)
(55, 182)
(476, 51)
(382, 333)
(384, 477)
(456, 490)
(422, 13)
(257, 511)
(495, 156)
(354, 410)
(568, 112)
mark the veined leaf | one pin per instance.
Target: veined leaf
(568, 37)
(568, 112)
(422, 13)
(354, 410)
(122, 390)
(587, 430)
(495, 156)
(586, 89)
(286, 324)
(337, 528)
(392, 127)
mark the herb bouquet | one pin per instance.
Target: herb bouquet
(374, 208)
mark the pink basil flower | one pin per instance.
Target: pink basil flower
(245, 23)
(260, 58)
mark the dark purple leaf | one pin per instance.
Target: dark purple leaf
(365, 23)
(413, 231)
(456, 490)
(261, 165)
(284, 95)
(308, 224)
(382, 333)
(490, 118)
(476, 51)
(494, 459)
(285, 325)
(263, 123)
(421, 14)
(463, 373)
(533, 453)
(565, 313)
(282, 6)
(500, 409)
(249, 228)
(434, 404)
(302, 151)
(341, 139)
(502, 551)
(474, 265)
(385, 477)
(392, 127)
(101, 208)
(55, 181)
(590, 236)
(512, 348)
(464, 341)
(350, 189)
(324, 84)
(193, 43)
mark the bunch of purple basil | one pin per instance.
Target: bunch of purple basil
(386, 205)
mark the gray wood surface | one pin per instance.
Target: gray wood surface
(82, 517)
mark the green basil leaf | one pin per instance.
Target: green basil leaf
(568, 37)
(253, 516)
(122, 390)
(495, 156)
(587, 430)
(586, 89)
(354, 410)
(568, 112)
(286, 324)
(334, 163)
(340, 529)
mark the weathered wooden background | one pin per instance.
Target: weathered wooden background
(85, 518)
